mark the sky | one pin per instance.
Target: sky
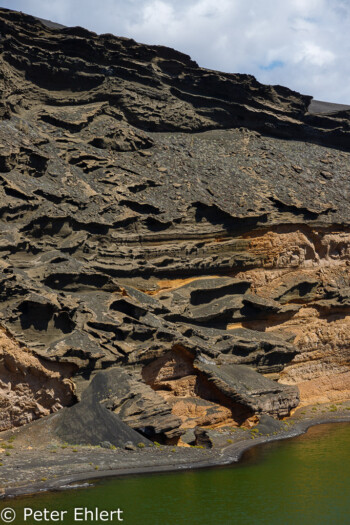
(302, 44)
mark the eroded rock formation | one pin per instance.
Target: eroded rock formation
(30, 387)
(179, 236)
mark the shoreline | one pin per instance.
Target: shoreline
(297, 430)
(150, 462)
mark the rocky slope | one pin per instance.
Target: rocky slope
(180, 236)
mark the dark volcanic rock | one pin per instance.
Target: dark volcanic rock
(244, 386)
(135, 403)
(155, 215)
(268, 425)
(152, 87)
(89, 423)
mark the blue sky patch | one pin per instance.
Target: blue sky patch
(272, 65)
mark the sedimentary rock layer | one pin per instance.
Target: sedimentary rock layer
(164, 227)
(30, 387)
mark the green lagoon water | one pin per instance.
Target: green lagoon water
(304, 480)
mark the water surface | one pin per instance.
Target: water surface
(304, 480)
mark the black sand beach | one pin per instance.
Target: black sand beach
(48, 467)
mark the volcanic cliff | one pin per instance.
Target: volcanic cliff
(175, 241)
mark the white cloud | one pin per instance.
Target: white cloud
(312, 54)
(302, 44)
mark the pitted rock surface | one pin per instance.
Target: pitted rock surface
(156, 215)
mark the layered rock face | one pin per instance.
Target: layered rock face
(30, 387)
(179, 236)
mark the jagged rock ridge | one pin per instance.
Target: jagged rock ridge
(164, 227)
